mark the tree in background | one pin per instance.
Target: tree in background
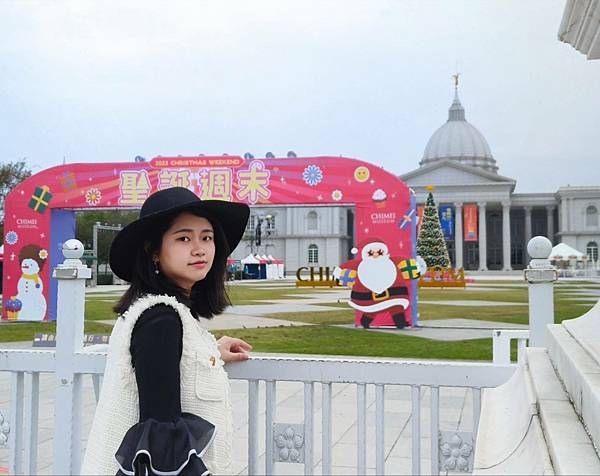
(84, 227)
(431, 245)
(11, 175)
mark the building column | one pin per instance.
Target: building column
(506, 236)
(563, 215)
(550, 222)
(527, 225)
(458, 235)
(571, 216)
(289, 230)
(482, 237)
(336, 221)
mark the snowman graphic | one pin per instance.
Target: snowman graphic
(30, 288)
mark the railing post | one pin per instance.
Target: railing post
(71, 276)
(500, 348)
(540, 275)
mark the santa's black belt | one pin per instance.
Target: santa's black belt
(358, 296)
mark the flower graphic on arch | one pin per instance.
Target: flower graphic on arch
(337, 195)
(43, 254)
(312, 175)
(12, 237)
(456, 454)
(289, 444)
(93, 196)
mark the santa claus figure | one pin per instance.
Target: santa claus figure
(379, 285)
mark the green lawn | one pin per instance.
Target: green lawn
(96, 310)
(344, 316)
(468, 294)
(256, 295)
(18, 332)
(325, 340)
(322, 337)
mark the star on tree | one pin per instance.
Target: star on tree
(431, 245)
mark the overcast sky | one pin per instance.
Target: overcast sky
(106, 81)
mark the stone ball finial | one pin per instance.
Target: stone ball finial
(72, 249)
(539, 247)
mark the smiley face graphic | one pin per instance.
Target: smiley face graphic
(361, 174)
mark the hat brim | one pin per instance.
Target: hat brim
(231, 216)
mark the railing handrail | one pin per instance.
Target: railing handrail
(300, 369)
(371, 371)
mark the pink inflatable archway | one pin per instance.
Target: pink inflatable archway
(39, 212)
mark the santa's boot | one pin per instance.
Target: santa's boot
(365, 320)
(399, 320)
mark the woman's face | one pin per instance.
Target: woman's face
(187, 250)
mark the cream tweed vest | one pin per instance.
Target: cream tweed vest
(204, 391)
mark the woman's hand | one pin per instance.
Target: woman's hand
(233, 350)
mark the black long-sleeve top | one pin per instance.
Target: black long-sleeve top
(172, 439)
(156, 346)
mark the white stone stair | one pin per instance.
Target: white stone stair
(574, 349)
(545, 419)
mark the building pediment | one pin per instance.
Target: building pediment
(450, 173)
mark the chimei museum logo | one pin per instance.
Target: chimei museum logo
(383, 218)
(27, 223)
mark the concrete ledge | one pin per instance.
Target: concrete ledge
(586, 330)
(570, 448)
(510, 438)
(580, 375)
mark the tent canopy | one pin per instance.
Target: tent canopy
(260, 259)
(274, 260)
(563, 251)
(250, 259)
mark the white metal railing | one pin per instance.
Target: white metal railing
(362, 373)
(501, 344)
(70, 362)
(418, 375)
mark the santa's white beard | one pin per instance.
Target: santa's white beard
(377, 274)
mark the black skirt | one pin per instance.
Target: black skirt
(166, 448)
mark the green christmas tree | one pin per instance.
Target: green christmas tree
(431, 245)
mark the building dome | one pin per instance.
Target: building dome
(459, 141)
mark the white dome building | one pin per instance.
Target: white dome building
(459, 141)
(488, 224)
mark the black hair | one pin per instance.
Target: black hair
(207, 298)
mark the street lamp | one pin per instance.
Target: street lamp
(258, 229)
(269, 218)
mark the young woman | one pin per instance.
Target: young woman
(164, 406)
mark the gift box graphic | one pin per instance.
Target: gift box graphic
(409, 269)
(348, 277)
(40, 199)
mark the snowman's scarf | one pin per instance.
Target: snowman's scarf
(35, 277)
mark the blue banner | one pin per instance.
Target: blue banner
(447, 222)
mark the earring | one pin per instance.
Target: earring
(156, 270)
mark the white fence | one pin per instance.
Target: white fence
(26, 367)
(501, 348)
(70, 362)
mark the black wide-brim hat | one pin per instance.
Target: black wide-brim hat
(231, 216)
